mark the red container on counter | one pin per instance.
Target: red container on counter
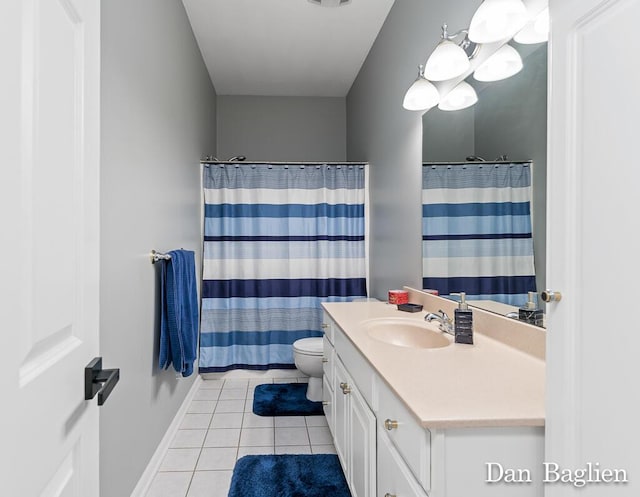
(398, 297)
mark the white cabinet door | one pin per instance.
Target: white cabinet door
(341, 413)
(328, 357)
(354, 434)
(49, 218)
(328, 404)
(394, 478)
(593, 241)
(362, 444)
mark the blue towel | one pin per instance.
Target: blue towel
(179, 312)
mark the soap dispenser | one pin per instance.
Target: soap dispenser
(529, 312)
(463, 321)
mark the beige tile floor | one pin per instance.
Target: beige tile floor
(220, 427)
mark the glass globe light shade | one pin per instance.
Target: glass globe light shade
(421, 95)
(496, 20)
(501, 65)
(536, 31)
(461, 97)
(447, 61)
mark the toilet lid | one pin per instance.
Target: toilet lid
(312, 345)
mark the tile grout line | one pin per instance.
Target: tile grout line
(195, 468)
(239, 438)
(191, 480)
(306, 425)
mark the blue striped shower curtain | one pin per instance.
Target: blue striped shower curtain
(476, 230)
(278, 241)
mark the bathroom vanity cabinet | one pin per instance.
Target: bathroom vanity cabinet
(386, 450)
(355, 426)
(368, 456)
(350, 419)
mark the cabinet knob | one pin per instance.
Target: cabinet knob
(389, 495)
(345, 388)
(390, 424)
(325, 402)
(325, 325)
(551, 296)
(324, 359)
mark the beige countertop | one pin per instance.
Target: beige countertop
(481, 385)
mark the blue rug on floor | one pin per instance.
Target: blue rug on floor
(284, 399)
(289, 475)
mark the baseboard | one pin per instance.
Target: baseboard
(154, 464)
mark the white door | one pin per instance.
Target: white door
(593, 340)
(341, 413)
(49, 252)
(362, 447)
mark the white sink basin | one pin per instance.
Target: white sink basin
(405, 333)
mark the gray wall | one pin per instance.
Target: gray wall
(282, 128)
(380, 131)
(448, 136)
(511, 118)
(158, 108)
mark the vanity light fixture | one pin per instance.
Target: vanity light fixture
(496, 20)
(462, 96)
(536, 31)
(501, 65)
(449, 59)
(422, 94)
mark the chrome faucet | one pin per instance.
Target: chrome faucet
(446, 323)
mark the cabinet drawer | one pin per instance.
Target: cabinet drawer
(394, 477)
(327, 359)
(412, 441)
(327, 326)
(362, 373)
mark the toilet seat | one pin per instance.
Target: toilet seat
(308, 346)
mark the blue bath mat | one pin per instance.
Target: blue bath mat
(289, 475)
(284, 399)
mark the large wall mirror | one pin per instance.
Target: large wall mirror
(510, 118)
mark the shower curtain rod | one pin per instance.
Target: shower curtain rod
(276, 163)
(466, 163)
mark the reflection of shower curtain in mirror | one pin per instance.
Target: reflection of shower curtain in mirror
(476, 230)
(278, 241)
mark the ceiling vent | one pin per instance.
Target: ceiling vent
(330, 3)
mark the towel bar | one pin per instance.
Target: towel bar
(157, 256)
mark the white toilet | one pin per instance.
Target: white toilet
(307, 355)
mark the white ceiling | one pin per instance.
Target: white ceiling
(285, 47)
